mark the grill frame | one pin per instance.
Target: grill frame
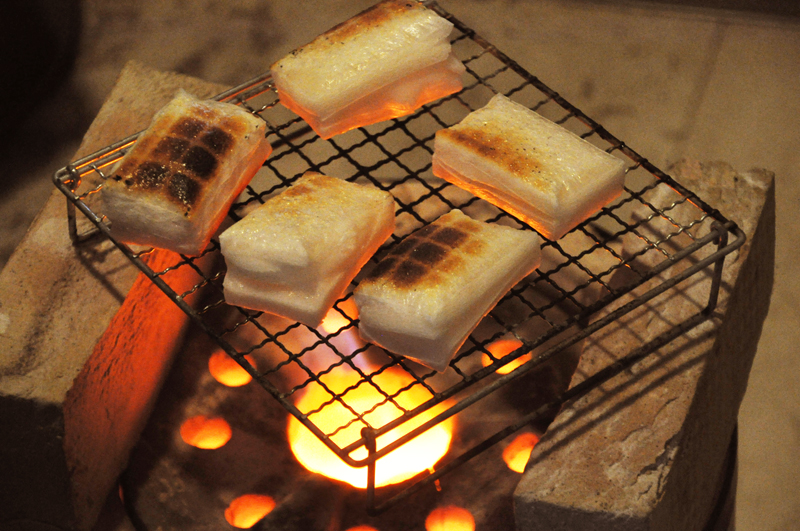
(79, 182)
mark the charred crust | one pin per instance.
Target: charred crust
(371, 17)
(180, 158)
(419, 258)
(171, 147)
(175, 186)
(217, 140)
(383, 268)
(188, 127)
(450, 236)
(150, 175)
(514, 158)
(429, 253)
(426, 231)
(409, 273)
(184, 189)
(406, 245)
(199, 161)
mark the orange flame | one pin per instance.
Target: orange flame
(517, 453)
(245, 511)
(335, 321)
(362, 528)
(403, 463)
(205, 433)
(226, 371)
(450, 518)
(502, 348)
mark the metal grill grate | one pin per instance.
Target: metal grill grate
(655, 224)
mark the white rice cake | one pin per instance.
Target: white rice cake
(383, 63)
(426, 296)
(295, 255)
(174, 187)
(534, 169)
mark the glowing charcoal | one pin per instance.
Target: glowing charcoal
(517, 453)
(403, 463)
(450, 518)
(502, 348)
(205, 433)
(245, 511)
(226, 371)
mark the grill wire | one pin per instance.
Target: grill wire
(548, 311)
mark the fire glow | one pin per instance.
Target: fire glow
(517, 453)
(403, 463)
(450, 518)
(205, 433)
(226, 371)
(245, 511)
(502, 348)
(335, 321)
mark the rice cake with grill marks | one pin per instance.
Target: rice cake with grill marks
(383, 63)
(425, 296)
(534, 169)
(176, 184)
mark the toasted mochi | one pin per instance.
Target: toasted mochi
(426, 296)
(383, 63)
(295, 255)
(174, 187)
(528, 166)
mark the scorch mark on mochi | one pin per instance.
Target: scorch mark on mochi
(371, 17)
(178, 164)
(511, 156)
(423, 256)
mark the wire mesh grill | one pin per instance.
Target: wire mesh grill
(544, 313)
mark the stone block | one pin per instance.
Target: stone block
(646, 449)
(85, 342)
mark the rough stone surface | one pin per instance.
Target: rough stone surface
(645, 450)
(80, 363)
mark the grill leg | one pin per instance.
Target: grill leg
(716, 280)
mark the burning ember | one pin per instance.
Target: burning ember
(245, 511)
(450, 518)
(502, 348)
(362, 528)
(405, 462)
(226, 371)
(205, 433)
(517, 453)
